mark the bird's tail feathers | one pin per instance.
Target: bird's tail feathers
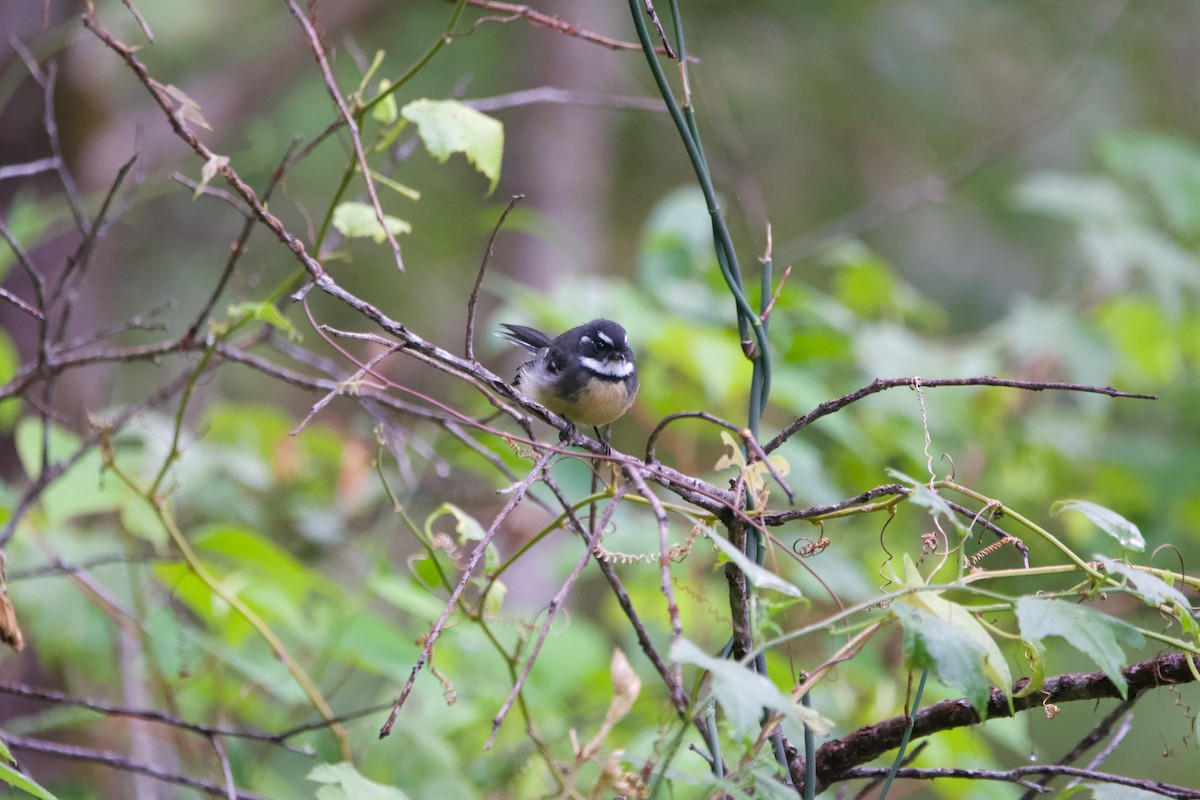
(522, 336)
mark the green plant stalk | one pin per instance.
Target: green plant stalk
(1027, 523)
(873, 603)
(338, 193)
(908, 729)
(360, 112)
(410, 73)
(510, 659)
(720, 236)
(185, 398)
(1158, 572)
(173, 450)
(708, 731)
(726, 255)
(165, 518)
(810, 755)
(685, 122)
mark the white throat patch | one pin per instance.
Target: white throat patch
(612, 369)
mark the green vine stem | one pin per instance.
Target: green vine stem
(166, 519)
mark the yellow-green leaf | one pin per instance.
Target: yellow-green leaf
(359, 220)
(448, 126)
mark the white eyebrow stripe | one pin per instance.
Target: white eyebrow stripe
(613, 369)
(585, 340)
(604, 336)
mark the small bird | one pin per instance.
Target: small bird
(587, 374)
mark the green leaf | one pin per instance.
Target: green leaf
(264, 312)
(960, 618)
(743, 693)
(1037, 664)
(10, 362)
(952, 655)
(1111, 791)
(83, 489)
(759, 577)
(13, 778)
(1153, 589)
(28, 221)
(358, 220)
(385, 110)
(448, 126)
(248, 552)
(1083, 200)
(1097, 635)
(1106, 520)
(925, 497)
(344, 782)
(1169, 167)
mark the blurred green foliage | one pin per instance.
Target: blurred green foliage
(1068, 257)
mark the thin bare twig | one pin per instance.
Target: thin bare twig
(538, 19)
(46, 80)
(469, 346)
(435, 631)
(552, 95)
(318, 50)
(745, 434)
(141, 21)
(5, 294)
(28, 168)
(226, 769)
(237, 249)
(662, 35)
(881, 384)
(593, 541)
(66, 288)
(660, 515)
(678, 696)
(341, 387)
(120, 762)
(1019, 776)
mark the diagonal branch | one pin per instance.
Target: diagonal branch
(836, 758)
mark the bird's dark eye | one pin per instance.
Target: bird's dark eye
(601, 345)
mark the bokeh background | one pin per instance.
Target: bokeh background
(959, 188)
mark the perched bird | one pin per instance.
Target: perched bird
(587, 374)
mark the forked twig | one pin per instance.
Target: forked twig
(431, 638)
(559, 598)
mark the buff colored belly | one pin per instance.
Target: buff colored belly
(606, 400)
